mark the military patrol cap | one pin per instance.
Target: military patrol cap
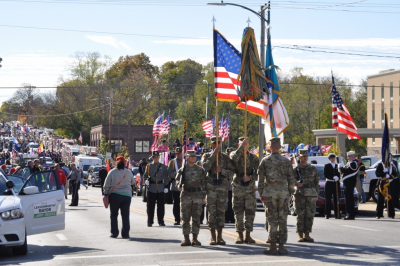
(228, 150)
(190, 153)
(331, 155)
(241, 139)
(214, 139)
(178, 149)
(275, 140)
(155, 153)
(351, 153)
(303, 152)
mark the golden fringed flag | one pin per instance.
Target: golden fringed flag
(253, 81)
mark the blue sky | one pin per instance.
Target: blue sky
(40, 57)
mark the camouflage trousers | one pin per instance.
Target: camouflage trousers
(244, 206)
(217, 203)
(305, 209)
(191, 207)
(278, 211)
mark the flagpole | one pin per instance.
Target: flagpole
(337, 187)
(217, 129)
(245, 135)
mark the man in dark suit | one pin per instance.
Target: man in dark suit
(332, 186)
(349, 178)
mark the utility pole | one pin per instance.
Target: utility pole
(119, 122)
(110, 120)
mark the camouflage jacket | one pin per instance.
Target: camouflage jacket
(172, 170)
(209, 163)
(194, 177)
(252, 163)
(275, 177)
(310, 180)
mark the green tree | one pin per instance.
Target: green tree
(103, 148)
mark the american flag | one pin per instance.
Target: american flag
(158, 125)
(80, 137)
(166, 125)
(254, 150)
(227, 61)
(221, 128)
(341, 119)
(208, 127)
(154, 146)
(226, 128)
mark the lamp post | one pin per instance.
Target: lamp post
(119, 122)
(208, 96)
(261, 15)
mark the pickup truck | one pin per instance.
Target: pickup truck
(370, 185)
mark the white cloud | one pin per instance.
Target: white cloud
(109, 40)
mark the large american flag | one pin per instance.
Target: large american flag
(227, 61)
(208, 127)
(166, 125)
(154, 146)
(226, 128)
(341, 118)
(158, 125)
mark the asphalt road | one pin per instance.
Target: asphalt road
(365, 241)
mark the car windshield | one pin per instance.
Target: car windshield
(48, 159)
(320, 173)
(135, 170)
(76, 153)
(3, 186)
(18, 182)
(34, 146)
(376, 164)
(86, 167)
(96, 169)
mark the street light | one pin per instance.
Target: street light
(261, 15)
(208, 96)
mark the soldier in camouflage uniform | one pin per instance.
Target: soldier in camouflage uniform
(307, 189)
(244, 196)
(275, 185)
(191, 181)
(217, 189)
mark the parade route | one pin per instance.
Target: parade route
(86, 241)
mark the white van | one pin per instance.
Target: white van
(322, 159)
(84, 162)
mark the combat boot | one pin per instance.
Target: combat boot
(213, 240)
(282, 250)
(271, 250)
(186, 242)
(248, 238)
(239, 240)
(301, 237)
(195, 242)
(307, 237)
(220, 241)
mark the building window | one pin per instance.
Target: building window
(391, 114)
(383, 116)
(391, 90)
(142, 146)
(382, 92)
(391, 141)
(373, 115)
(373, 141)
(373, 93)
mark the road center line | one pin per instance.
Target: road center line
(61, 237)
(362, 228)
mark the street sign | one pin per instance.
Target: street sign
(108, 155)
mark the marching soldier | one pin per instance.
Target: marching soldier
(173, 168)
(217, 189)
(307, 189)
(191, 181)
(349, 178)
(275, 185)
(244, 196)
(332, 185)
(157, 181)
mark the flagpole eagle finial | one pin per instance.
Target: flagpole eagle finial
(248, 21)
(213, 21)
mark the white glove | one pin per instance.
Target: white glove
(385, 170)
(387, 176)
(336, 178)
(165, 190)
(147, 182)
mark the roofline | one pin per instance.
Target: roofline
(384, 74)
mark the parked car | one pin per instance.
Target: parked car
(368, 160)
(321, 196)
(93, 175)
(29, 206)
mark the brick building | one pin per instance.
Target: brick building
(138, 138)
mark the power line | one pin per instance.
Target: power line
(58, 114)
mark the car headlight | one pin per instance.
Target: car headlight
(13, 214)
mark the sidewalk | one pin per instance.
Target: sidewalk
(369, 209)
